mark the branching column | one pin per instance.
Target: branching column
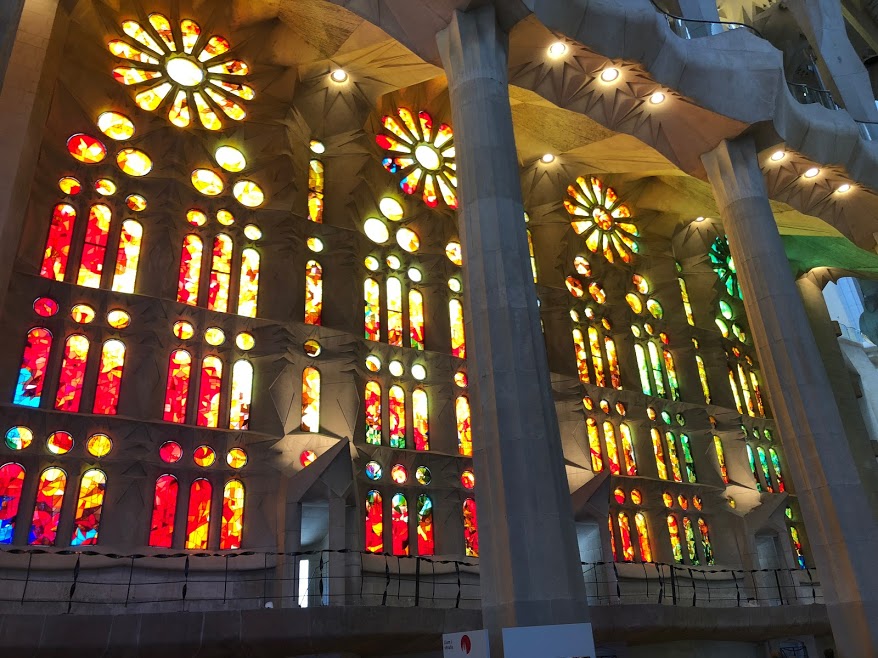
(530, 571)
(841, 527)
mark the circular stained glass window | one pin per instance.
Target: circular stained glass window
(391, 208)
(373, 363)
(641, 284)
(105, 187)
(252, 232)
(214, 336)
(419, 372)
(307, 457)
(454, 284)
(668, 499)
(207, 182)
(184, 71)
(636, 497)
(82, 313)
(86, 148)
(376, 230)
(99, 445)
(70, 185)
(574, 286)
(393, 262)
(135, 202)
(454, 253)
(468, 479)
(619, 495)
(59, 443)
(116, 126)
(196, 217)
(408, 240)
(230, 158)
(134, 162)
(183, 330)
(19, 437)
(374, 471)
(204, 456)
(696, 501)
(683, 501)
(372, 264)
(415, 275)
(399, 474)
(118, 319)
(315, 245)
(171, 452)
(224, 217)
(245, 341)
(634, 302)
(312, 348)
(423, 475)
(248, 193)
(236, 458)
(581, 265)
(396, 368)
(45, 307)
(655, 309)
(460, 379)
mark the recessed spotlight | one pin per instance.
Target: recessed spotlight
(777, 156)
(317, 146)
(338, 75)
(548, 158)
(699, 219)
(844, 187)
(656, 98)
(813, 171)
(610, 74)
(557, 49)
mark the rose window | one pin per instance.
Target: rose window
(599, 216)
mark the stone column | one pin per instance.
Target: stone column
(529, 563)
(835, 506)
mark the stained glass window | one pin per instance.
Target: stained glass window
(797, 547)
(190, 270)
(109, 377)
(11, 483)
(690, 540)
(47, 510)
(751, 458)
(530, 249)
(209, 392)
(628, 449)
(598, 214)
(394, 312)
(420, 419)
(724, 266)
(164, 509)
(220, 274)
(687, 458)
(128, 256)
(400, 524)
(310, 400)
(374, 523)
(671, 370)
(198, 517)
(643, 369)
(57, 251)
(91, 263)
(672, 455)
(763, 463)
(470, 528)
(248, 290)
(232, 527)
(687, 307)
(625, 534)
(396, 409)
(89, 505)
(242, 392)
(72, 373)
(775, 461)
(373, 413)
(643, 537)
(372, 298)
(655, 363)
(177, 388)
(32, 373)
(313, 292)
(315, 191)
(594, 444)
(705, 541)
(581, 356)
(721, 458)
(416, 320)
(464, 426)
(659, 451)
(702, 376)
(676, 545)
(458, 341)
(426, 543)
(612, 452)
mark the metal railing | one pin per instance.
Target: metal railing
(807, 95)
(694, 28)
(83, 582)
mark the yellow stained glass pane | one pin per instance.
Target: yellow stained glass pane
(190, 31)
(134, 162)
(163, 26)
(183, 330)
(99, 445)
(231, 67)
(134, 30)
(206, 115)
(236, 458)
(245, 341)
(105, 187)
(70, 185)
(408, 240)
(248, 193)
(224, 217)
(230, 158)
(118, 319)
(214, 336)
(227, 105)
(128, 75)
(179, 112)
(115, 126)
(207, 182)
(216, 46)
(196, 217)
(454, 253)
(121, 49)
(241, 91)
(150, 99)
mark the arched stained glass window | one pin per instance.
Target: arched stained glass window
(310, 400)
(581, 356)
(57, 251)
(209, 392)
(372, 298)
(533, 260)
(220, 274)
(745, 389)
(32, 373)
(164, 510)
(721, 458)
(458, 340)
(672, 374)
(705, 541)
(594, 445)
(315, 191)
(109, 377)
(751, 458)
(72, 375)
(690, 540)
(687, 307)
(687, 459)
(11, 484)
(374, 523)
(242, 393)
(426, 544)
(394, 311)
(597, 360)
(659, 451)
(420, 419)
(676, 545)
(672, 455)
(400, 524)
(612, 452)
(628, 449)
(702, 376)
(734, 386)
(128, 256)
(190, 270)
(797, 547)
(625, 534)
(89, 505)
(766, 472)
(613, 363)
(470, 528)
(612, 529)
(757, 393)
(232, 527)
(416, 320)
(313, 292)
(91, 263)
(373, 413)
(464, 426)
(643, 369)
(655, 366)
(248, 290)
(775, 461)
(198, 516)
(643, 537)
(47, 510)
(177, 388)
(396, 409)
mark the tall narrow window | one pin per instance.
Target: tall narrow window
(242, 393)
(177, 388)
(672, 455)
(745, 389)
(220, 274)
(164, 509)
(757, 393)
(58, 243)
(248, 290)
(396, 409)
(373, 413)
(721, 458)
(687, 458)
(672, 374)
(399, 523)
(128, 256)
(751, 458)
(596, 358)
(426, 545)
(315, 191)
(310, 400)
(687, 307)
(464, 426)
(613, 363)
(735, 394)
(643, 537)
(470, 528)
(594, 445)
(458, 340)
(416, 320)
(643, 369)
(313, 292)
(702, 374)
(232, 527)
(372, 298)
(581, 356)
(190, 270)
(91, 263)
(797, 547)
(676, 545)
(109, 377)
(394, 311)
(198, 516)
(612, 452)
(89, 505)
(374, 523)
(47, 511)
(11, 484)
(690, 540)
(32, 373)
(659, 451)
(775, 461)
(625, 534)
(766, 472)
(655, 362)
(612, 530)
(705, 541)
(209, 392)
(420, 419)
(530, 249)
(72, 373)
(628, 449)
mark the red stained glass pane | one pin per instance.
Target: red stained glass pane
(88, 508)
(164, 509)
(310, 400)
(372, 297)
(47, 511)
(45, 307)
(109, 377)
(373, 413)
(396, 408)
(190, 270)
(86, 148)
(170, 452)
(420, 419)
(464, 426)
(58, 243)
(177, 389)
(32, 373)
(11, 482)
(220, 274)
(232, 529)
(72, 373)
(248, 291)
(313, 292)
(400, 524)
(458, 342)
(198, 517)
(209, 393)
(426, 544)
(470, 528)
(374, 523)
(625, 533)
(91, 263)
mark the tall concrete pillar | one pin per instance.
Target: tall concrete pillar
(530, 572)
(840, 524)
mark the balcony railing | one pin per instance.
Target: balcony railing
(807, 95)
(693, 28)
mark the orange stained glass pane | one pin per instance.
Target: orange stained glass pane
(220, 269)
(470, 528)
(209, 391)
(242, 392)
(625, 534)
(313, 292)
(89, 506)
(394, 311)
(135, 202)
(671, 443)
(464, 426)
(134, 162)
(574, 286)
(128, 256)
(216, 45)
(57, 250)
(91, 263)
(204, 456)
(248, 290)
(310, 400)
(399, 520)
(236, 458)
(372, 405)
(612, 452)
(458, 340)
(109, 377)
(240, 90)
(105, 187)
(613, 363)
(372, 297)
(122, 49)
(206, 115)
(135, 30)
(416, 320)
(198, 516)
(374, 523)
(207, 182)
(47, 510)
(99, 445)
(183, 330)
(420, 419)
(179, 114)
(149, 99)
(190, 270)
(628, 449)
(674, 532)
(190, 32)
(70, 185)
(116, 126)
(231, 109)
(231, 67)
(643, 537)
(86, 148)
(164, 509)
(315, 191)
(163, 27)
(581, 356)
(396, 414)
(177, 387)
(597, 360)
(232, 528)
(72, 375)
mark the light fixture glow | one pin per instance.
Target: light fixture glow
(557, 49)
(699, 219)
(610, 74)
(844, 187)
(777, 156)
(813, 171)
(338, 75)
(656, 98)
(548, 158)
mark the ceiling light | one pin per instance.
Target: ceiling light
(813, 171)
(548, 158)
(610, 74)
(699, 219)
(656, 98)
(338, 75)
(844, 187)
(557, 49)
(777, 156)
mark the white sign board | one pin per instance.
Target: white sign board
(472, 644)
(562, 641)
